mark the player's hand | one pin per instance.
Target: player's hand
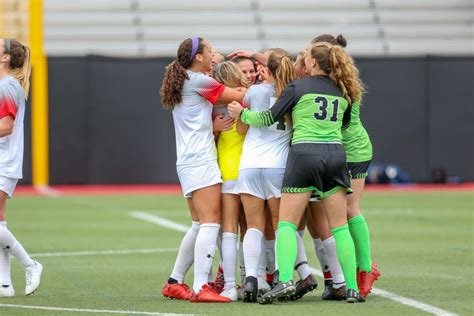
(241, 53)
(234, 109)
(222, 123)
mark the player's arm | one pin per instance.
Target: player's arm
(242, 128)
(259, 57)
(284, 104)
(346, 118)
(6, 125)
(216, 92)
(229, 94)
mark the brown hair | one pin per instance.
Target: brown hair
(20, 63)
(340, 67)
(280, 66)
(175, 73)
(229, 74)
(328, 38)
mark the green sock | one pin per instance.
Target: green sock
(286, 250)
(346, 255)
(360, 234)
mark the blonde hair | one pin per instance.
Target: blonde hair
(282, 69)
(340, 67)
(20, 63)
(229, 74)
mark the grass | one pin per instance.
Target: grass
(423, 243)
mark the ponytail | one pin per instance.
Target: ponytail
(281, 67)
(340, 68)
(172, 85)
(20, 64)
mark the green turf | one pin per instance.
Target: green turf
(422, 242)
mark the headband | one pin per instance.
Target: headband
(195, 41)
(8, 44)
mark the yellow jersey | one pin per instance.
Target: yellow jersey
(229, 150)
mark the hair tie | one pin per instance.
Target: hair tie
(195, 43)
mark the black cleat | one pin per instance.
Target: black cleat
(304, 286)
(281, 290)
(332, 294)
(352, 296)
(250, 290)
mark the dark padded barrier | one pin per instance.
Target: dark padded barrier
(107, 124)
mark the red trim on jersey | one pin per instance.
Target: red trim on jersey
(8, 107)
(212, 92)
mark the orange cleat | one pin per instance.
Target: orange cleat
(367, 279)
(177, 291)
(208, 295)
(219, 283)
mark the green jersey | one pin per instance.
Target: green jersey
(318, 110)
(355, 139)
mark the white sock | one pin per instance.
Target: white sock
(302, 266)
(301, 233)
(252, 249)
(336, 271)
(5, 274)
(241, 262)
(323, 260)
(270, 249)
(10, 244)
(229, 257)
(204, 253)
(185, 257)
(262, 266)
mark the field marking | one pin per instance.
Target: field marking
(86, 310)
(379, 292)
(103, 252)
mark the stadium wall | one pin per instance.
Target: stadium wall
(107, 125)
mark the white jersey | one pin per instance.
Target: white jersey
(12, 103)
(193, 122)
(264, 147)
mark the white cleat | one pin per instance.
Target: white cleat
(231, 293)
(8, 291)
(33, 277)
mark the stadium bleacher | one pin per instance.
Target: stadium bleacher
(155, 28)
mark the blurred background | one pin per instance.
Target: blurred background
(96, 116)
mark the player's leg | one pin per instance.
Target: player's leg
(270, 227)
(231, 206)
(254, 208)
(368, 270)
(10, 245)
(175, 287)
(325, 248)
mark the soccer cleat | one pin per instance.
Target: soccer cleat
(7, 291)
(250, 290)
(263, 288)
(231, 293)
(332, 294)
(280, 291)
(219, 283)
(367, 279)
(352, 296)
(208, 295)
(304, 286)
(176, 291)
(33, 277)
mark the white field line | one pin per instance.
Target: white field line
(86, 310)
(102, 252)
(385, 294)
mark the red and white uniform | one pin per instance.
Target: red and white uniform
(12, 103)
(195, 147)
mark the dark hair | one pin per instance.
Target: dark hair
(328, 38)
(20, 62)
(240, 59)
(175, 73)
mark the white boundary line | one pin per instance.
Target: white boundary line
(103, 252)
(385, 294)
(86, 310)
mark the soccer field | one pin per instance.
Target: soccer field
(98, 256)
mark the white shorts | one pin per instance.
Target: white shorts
(264, 183)
(193, 177)
(8, 185)
(230, 187)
